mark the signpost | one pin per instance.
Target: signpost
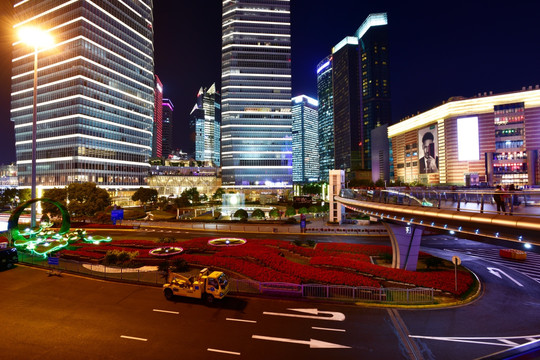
(456, 261)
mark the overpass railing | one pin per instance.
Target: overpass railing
(482, 201)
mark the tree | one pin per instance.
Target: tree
(86, 199)
(241, 213)
(192, 194)
(380, 183)
(55, 194)
(218, 194)
(303, 210)
(312, 189)
(257, 214)
(181, 201)
(290, 211)
(145, 195)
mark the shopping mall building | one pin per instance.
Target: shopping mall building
(491, 139)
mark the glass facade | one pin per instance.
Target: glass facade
(167, 128)
(375, 78)
(347, 114)
(256, 129)
(157, 137)
(510, 156)
(325, 117)
(95, 94)
(206, 124)
(305, 139)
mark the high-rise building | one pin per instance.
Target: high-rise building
(325, 117)
(256, 94)
(157, 137)
(167, 128)
(374, 60)
(305, 139)
(206, 123)
(95, 93)
(361, 91)
(348, 154)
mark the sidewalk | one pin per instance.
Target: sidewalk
(314, 226)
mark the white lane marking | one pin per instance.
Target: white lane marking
(166, 311)
(313, 344)
(242, 320)
(133, 338)
(224, 351)
(335, 316)
(498, 272)
(328, 329)
(497, 341)
(508, 342)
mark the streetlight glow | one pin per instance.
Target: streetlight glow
(35, 37)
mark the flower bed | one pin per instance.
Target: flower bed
(263, 260)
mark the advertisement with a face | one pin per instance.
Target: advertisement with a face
(428, 162)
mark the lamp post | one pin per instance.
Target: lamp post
(37, 39)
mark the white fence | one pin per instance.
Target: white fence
(335, 292)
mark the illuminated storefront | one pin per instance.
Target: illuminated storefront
(490, 139)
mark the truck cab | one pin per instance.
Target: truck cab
(206, 285)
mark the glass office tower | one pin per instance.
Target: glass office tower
(256, 140)
(167, 145)
(206, 123)
(374, 58)
(347, 114)
(95, 93)
(325, 117)
(305, 139)
(157, 136)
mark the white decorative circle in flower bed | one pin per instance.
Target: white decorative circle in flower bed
(166, 251)
(227, 242)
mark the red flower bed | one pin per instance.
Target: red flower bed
(262, 260)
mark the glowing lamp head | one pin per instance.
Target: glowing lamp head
(35, 37)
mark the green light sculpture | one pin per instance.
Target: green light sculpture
(41, 241)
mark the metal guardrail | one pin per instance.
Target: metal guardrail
(243, 286)
(336, 292)
(482, 201)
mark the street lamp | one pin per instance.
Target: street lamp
(37, 39)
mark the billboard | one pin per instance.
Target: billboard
(428, 162)
(468, 139)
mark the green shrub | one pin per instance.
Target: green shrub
(241, 213)
(274, 213)
(303, 210)
(290, 211)
(313, 209)
(258, 214)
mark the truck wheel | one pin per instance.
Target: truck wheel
(9, 265)
(209, 298)
(168, 294)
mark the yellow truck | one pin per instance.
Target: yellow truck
(206, 285)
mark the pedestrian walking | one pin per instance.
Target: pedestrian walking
(499, 200)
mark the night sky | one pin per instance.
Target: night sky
(437, 50)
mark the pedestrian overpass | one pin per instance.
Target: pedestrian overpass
(406, 213)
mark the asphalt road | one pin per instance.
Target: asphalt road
(71, 317)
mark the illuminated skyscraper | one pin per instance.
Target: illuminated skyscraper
(206, 123)
(361, 93)
(167, 145)
(325, 118)
(157, 137)
(256, 94)
(95, 100)
(305, 139)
